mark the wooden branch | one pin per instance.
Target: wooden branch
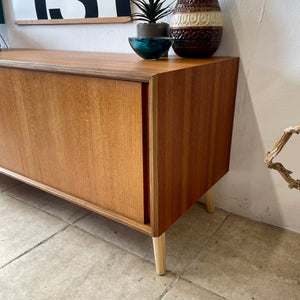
(2, 38)
(286, 174)
(75, 21)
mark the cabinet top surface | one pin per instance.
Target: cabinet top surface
(107, 65)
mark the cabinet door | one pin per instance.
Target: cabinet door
(80, 135)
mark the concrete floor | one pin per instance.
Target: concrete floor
(52, 249)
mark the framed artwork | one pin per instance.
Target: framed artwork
(1, 14)
(54, 12)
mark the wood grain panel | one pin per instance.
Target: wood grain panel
(76, 134)
(153, 169)
(195, 110)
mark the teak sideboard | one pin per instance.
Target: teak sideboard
(136, 141)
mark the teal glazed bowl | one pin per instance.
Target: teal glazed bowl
(150, 48)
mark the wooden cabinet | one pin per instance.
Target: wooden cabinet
(134, 140)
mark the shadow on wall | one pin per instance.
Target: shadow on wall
(248, 188)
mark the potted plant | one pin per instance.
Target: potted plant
(151, 11)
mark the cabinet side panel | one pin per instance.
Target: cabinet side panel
(79, 135)
(195, 110)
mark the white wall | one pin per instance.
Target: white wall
(265, 34)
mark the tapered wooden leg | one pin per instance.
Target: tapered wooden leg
(159, 247)
(209, 201)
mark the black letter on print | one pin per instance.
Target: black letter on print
(41, 9)
(91, 10)
(123, 8)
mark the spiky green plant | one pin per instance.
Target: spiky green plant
(151, 11)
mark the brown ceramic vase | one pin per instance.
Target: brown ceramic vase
(197, 28)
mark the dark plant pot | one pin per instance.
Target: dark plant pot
(196, 27)
(150, 30)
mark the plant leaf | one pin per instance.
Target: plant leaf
(152, 10)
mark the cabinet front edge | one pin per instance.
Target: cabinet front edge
(144, 228)
(101, 73)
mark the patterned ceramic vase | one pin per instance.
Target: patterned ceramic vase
(197, 27)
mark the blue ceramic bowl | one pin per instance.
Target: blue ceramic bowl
(150, 48)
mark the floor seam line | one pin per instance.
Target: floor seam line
(205, 243)
(199, 286)
(169, 287)
(118, 246)
(44, 211)
(82, 217)
(34, 247)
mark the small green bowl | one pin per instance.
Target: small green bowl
(150, 48)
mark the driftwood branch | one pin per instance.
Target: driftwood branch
(2, 38)
(286, 174)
